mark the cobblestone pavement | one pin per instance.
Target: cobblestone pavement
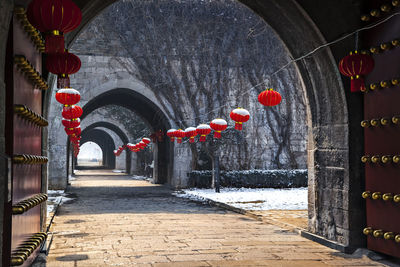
(118, 221)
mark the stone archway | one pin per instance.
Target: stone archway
(151, 113)
(106, 143)
(118, 131)
(329, 156)
(331, 152)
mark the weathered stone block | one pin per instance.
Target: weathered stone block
(331, 157)
(331, 136)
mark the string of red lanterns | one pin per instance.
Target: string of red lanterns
(54, 18)
(268, 98)
(133, 147)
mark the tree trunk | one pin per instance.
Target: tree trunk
(215, 174)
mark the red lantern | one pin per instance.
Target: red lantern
(142, 145)
(69, 131)
(269, 98)
(74, 139)
(77, 131)
(355, 66)
(239, 115)
(203, 130)
(191, 134)
(63, 64)
(116, 152)
(72, 112)
(68, 96)
(218, 125)
(146, 140)
(71, 123)
(54, 18)
(171, 134)
(179, 134)
(129, 146)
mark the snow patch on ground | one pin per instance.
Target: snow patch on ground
(141, 178)
(55, 198)
(252, 198)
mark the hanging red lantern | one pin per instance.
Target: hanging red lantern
(203, 130)
(239, 115)
(142, 145)
(191, 133)
(269, 98)
(146, 140)
(63, 64)
(54, 18)
(171, 134)
(77, 131)
(218, 125)
(71, 123)
(179, 134)
(69, 131)
(68, 96)
(72, 112)
(75, 138)
(129, 146)
(356, 66)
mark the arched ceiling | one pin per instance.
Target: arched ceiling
(280, 15)
(106, 125)
(99, 137)
(133, 101)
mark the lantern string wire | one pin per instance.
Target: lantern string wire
(294, 60)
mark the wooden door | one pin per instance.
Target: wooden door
(24, 143)
(382, 137)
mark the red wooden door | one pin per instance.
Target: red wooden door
(381, 139)
(24, 100)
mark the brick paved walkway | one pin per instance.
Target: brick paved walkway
(118, 221)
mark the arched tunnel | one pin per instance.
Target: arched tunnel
(162, 72)
(106, 143)
(151, 114)
(87, 134)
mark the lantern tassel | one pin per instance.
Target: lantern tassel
(54, 43)
(238, 126)
(357, 84)
(202, 138)
(63, 81)
(217, 134)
